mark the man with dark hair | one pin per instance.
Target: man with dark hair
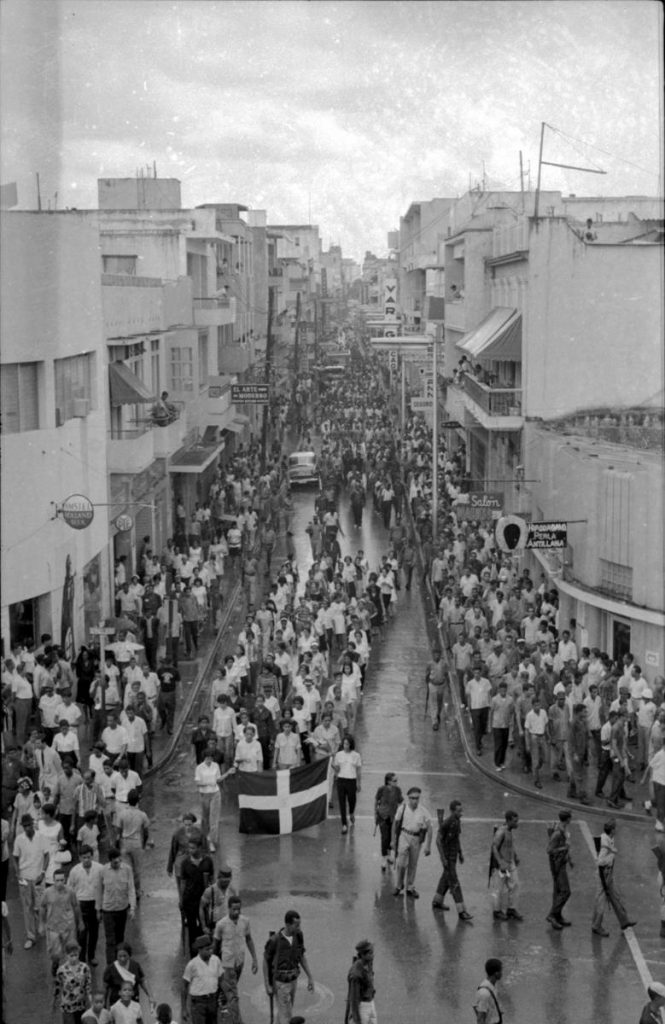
(558, 851)
(450, 851)
(118, 901)
(85, 881)
(486, 1003)
(232, 934)
(283, 957)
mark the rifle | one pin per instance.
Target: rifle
(426, 691)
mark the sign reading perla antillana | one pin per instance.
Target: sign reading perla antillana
(250, 393)
(547, 535)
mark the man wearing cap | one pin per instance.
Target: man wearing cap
(412, 829)
(201, 984)
(360, 1004)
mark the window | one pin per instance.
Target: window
(616, 579)
(154, 367)
(224, 338)
(182, 368)
(19, 397)
(74, 387)
(203, 359)
(119, 264)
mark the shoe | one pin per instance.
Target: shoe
(499, 915)
(538, 784)
(435, 726)
(465, 916)
(662, 929)
(93, 963)
(600, 931)
(659, 826)
(599, 793)
(398, 892)
(413, 894)
(586, 802)
(514, 915)
(555, 776)
(352, 820)
(564, 922)
(331, 806)
(28, 944)
(437, 905)
(344, 830)
(628, 924)
(558, 927)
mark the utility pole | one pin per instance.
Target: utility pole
(522, 181)
(296, 352)
(267, 378)
(540, 166)
(435, 440)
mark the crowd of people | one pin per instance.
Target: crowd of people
(289, 692)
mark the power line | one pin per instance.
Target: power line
(603, 151)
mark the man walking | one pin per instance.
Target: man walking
(232, 934)
(387, 800)
(436, 675)
(478, 695)
(412, 829)
(486, 1003)
(504, 870)
(606, 893)
(85, 881)
(118, 901)
(558, 851)
(360, 1003)
(450, 851)
(31, 856)
(201, 978)
(283, 957)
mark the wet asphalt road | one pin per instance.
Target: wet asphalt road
(427, 964)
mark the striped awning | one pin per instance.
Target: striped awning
(498, 336)
(126, 388)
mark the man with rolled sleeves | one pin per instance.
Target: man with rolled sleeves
(201, 980)
(361, 1008)
(283, 956)
(412, 829)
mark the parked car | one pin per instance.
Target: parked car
(303, 468)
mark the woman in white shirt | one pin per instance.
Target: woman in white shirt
(351, 683)
(347, 764)
(249, 755)
(206, 777)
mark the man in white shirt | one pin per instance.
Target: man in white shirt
(567, 648)
(31, 857)
(85, 881)
(478, 698)
(114, 738)
(536, 726)
(50, 705)
(66, 742)
(137, 733)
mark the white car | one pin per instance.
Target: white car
(303, 468)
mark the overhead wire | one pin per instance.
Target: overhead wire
(605, 152)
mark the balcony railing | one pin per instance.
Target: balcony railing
(213, 302)
(492, 400)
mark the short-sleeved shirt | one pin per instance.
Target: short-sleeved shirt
(203, 977)
(30, 854)
(486, 1002)
(233, 936)
(121, 1014)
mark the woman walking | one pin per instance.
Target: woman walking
(347, 766)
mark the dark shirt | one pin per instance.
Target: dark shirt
(285, 956)
(448, 839)
(387, 800)
(361, 982)
(168, 677)
(114, 982)
(195, 878)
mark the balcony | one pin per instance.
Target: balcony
(455, 315)
(495, 408)
(132, 305)
(130, 451)
(510, 242)
(169, 438)
(213, 311)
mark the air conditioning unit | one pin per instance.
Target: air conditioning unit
(80, 408)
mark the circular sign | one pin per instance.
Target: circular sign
(511, 533)
(77, 511)
(124, 523)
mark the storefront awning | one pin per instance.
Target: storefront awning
(126, 388)
(195, 459)
(238, 423)
(498, 336)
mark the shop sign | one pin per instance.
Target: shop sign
(77, 511)
(547, 535)
(123, 523)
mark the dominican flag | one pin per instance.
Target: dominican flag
(276, 803)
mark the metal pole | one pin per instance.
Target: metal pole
(403, 392)
(521, 181)
(540, 167)
(267, 376)
(435, 442)
(102, 656)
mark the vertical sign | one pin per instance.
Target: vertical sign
(390, 298)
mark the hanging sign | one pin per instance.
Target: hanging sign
(77, 511)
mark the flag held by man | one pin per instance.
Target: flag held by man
(280, 802)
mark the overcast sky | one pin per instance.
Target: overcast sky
(342, 113)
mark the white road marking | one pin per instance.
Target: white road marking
(434, 775)
(467, 821)
(629, 934)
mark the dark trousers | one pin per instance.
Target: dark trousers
(560, 886)
(167, 710)
(172, 646)
(136, 762)
(479, 718)
(150, 644)
(346, 795)
(408, 575)
(194, 930)
(267, 753)
(604, 769)
(4, 875)
(90, 931)
(67, 821)
(115, 922)
(385, 831)
(204, 1009)
(618, 778)
(191, 631)
(500, 746)
(449, 882)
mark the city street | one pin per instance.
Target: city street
(427, 965)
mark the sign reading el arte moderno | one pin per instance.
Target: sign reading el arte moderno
(77, 511)
(248, 393)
